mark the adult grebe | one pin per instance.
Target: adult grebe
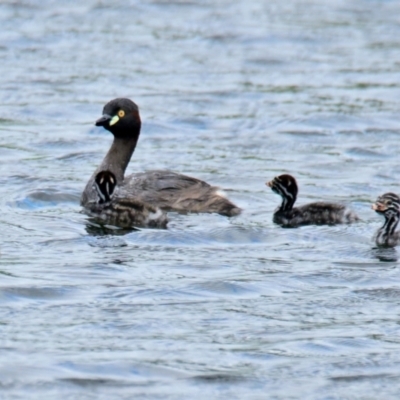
(164, 189)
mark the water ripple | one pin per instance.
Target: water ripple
(230, 92)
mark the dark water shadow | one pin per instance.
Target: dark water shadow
(93, 228)
(385, 254)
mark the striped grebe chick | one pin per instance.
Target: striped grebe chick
(388, 205)
(122, 212)
(319, 213)
(168, 190)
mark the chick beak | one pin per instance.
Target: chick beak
(103, 120)
(269, 184)
(379, 207)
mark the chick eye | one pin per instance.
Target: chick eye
(121, 113)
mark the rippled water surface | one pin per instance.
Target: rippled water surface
(234, 92)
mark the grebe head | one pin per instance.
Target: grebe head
(121, 117)
(388, 205)
(284, 185)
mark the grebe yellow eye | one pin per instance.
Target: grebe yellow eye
(121, 113)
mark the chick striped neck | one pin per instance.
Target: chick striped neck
(105, 183)
(288, 197)
(389, 227)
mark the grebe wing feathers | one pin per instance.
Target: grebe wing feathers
(172, 191)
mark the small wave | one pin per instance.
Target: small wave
(46, 198)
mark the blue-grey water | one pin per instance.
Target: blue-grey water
(233, 92)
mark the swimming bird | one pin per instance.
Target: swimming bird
(165, 189)
(319, 213)
(119, 211)
(388, 205)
